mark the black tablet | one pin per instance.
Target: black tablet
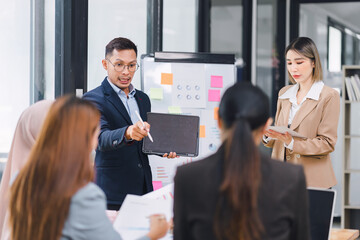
(172, 133)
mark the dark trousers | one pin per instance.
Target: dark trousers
(113, 207)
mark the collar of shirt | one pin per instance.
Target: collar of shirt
(120, 92)
(314, 92)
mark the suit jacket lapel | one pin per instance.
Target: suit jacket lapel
(304, 110)
(111, 95)
(286, 106)
(141, 107)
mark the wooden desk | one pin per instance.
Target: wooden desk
(343, 234)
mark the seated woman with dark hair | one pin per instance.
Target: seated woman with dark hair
(53, 196)
(237, 193)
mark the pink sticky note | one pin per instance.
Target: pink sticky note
(214, 95)
(157, 184)
(216, 81)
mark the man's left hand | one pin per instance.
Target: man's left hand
(171, 155)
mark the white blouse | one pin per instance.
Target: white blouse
(314, 93)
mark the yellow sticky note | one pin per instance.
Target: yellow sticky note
(216, 113)
(202, 131)
(156, 93)
(174, 110)
(167, 78)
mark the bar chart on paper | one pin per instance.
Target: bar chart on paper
(164, 169)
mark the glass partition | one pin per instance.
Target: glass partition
(24, 37)
(267, 57)
(334, 50)
(109, 19)
(15, 65)
(179, 25)
(226, 27)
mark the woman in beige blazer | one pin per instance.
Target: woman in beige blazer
(309, 108)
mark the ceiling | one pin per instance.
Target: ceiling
(349, 12)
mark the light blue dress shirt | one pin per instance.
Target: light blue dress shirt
(128, 101)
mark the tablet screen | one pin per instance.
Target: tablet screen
(172, 133)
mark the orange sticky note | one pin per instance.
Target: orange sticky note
(167, 78)
(216, 113)
(202, 131)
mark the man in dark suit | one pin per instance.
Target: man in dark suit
(121, 166)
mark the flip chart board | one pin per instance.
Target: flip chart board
(189, 84)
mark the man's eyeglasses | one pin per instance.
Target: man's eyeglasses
(119, 67)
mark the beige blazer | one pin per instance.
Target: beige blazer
(318, 121)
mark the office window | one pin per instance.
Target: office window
(15, 67)
(109, 19)
(334, 49)
(267, 58)
(49, 49)
(21, 82)
(349, 48)
(226, 27)
(179, 25)
(358, 49)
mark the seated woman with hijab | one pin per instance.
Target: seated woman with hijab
(26, 132)
(53, 196)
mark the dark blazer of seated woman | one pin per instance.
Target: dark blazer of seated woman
(237, 193)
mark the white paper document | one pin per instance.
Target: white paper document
(282, 129)
(165, 193)
(132, 221)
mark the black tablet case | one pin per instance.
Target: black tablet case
(172, 133)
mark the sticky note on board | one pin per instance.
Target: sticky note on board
(214, 95)
(167, 78)
(216, 113)
(216, 81)
(156, 93)
(157, 185)
(202, 131)
(174, 109)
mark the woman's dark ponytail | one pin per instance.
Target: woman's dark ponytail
(240, 186)
(237, 213)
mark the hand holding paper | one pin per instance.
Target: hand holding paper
(286, 138)
(283, 130)
(132, 221)
(158, 226)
